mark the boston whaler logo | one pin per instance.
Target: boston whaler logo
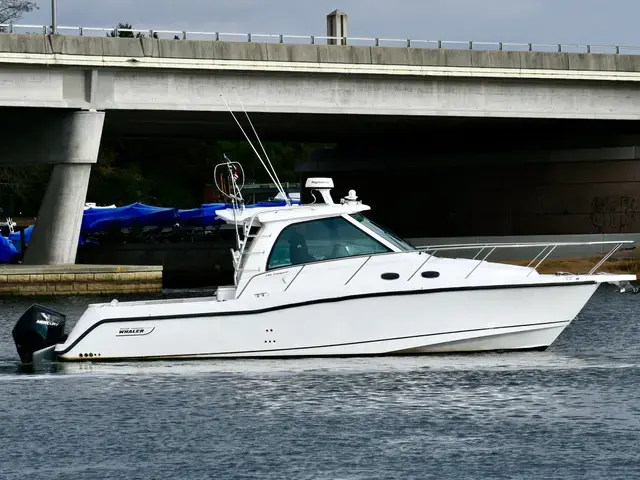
(134, 331)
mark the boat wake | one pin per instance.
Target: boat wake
(10, 369)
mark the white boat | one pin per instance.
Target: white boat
(322, 279)
(93, 205)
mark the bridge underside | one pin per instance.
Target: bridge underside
(589, 191)
(427, 133)
(444, 133)
(459, 176)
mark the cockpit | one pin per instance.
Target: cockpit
(331, 238)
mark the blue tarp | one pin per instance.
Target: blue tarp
(100, 219)
(272, 203)
(14, 238)
(97, 220)
(203, 216)
(7, 250)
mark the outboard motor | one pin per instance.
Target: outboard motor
(39, 327)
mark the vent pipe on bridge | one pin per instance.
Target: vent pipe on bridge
(337, 27)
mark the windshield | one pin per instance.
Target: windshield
(387, 235)
(323, 239)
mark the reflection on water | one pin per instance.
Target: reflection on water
(569, 412)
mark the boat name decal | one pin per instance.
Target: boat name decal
(281, 272)
(133, 331)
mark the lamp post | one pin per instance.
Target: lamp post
(54, 22)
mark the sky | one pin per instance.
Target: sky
(610, 22)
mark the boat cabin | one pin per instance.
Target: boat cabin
(299, 235)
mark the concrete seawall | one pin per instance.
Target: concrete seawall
(48, 280)
(184, 265)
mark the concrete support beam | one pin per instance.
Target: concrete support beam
(55, 236)
(54, 137)
(74, 149)
(329, 88)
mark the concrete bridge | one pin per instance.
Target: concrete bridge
(55, 90)
(150, 74)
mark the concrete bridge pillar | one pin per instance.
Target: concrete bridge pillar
(70, 141)
(55, 236)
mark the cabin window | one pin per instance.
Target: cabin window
(389, 236)
(325, 239)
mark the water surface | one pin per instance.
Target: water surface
(572, 412)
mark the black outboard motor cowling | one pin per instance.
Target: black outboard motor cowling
(39, 327)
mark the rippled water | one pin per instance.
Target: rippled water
(570, 412)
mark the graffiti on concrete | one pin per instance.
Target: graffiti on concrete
(613, 213)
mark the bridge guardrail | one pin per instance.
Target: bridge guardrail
(315, 39)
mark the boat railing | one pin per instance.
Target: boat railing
(432, 250)
(546, 249)
(247, 225)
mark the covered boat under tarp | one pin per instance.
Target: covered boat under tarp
(203, 216)
(102, 219)
(8, 251)
(137, 214)
(14, 238)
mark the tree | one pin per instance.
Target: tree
(124, 30)
(22, 188)
(11, 10)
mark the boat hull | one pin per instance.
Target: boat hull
(505, 318)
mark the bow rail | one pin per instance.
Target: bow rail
(546, 249)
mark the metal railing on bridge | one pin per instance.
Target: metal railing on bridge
(318, 39)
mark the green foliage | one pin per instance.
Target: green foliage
(123, 30)
(170, 173)
(175, 173)
(22, 188)
(111, 183)
(283, 156)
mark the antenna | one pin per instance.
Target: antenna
(234, 171)
(275, 174)
(277, 183)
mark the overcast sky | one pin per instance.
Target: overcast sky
(540, 21)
